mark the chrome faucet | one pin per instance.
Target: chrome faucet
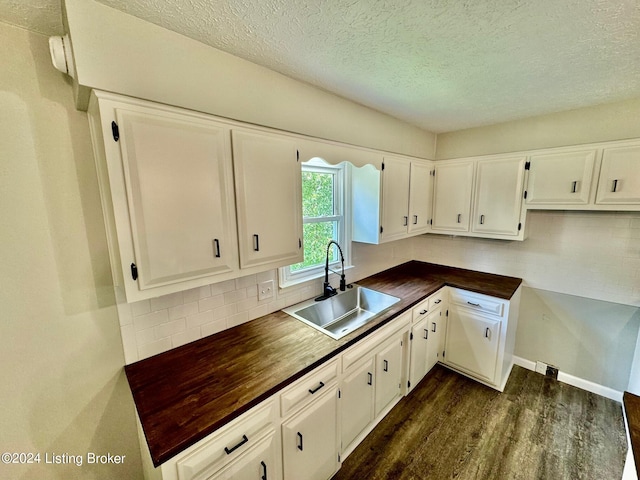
(327, 289)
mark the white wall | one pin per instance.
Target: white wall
(613, 121)
(120, 53)
(63, 387)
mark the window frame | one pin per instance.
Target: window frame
(342, 215)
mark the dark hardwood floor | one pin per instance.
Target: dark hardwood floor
(451, 427)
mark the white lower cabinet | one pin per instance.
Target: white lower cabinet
(389, 374)
(309, 447)
(480, 336)
(356, 400)
(371, 383)
(426, 338)
(246, 448)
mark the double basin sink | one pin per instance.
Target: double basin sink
(343, 313)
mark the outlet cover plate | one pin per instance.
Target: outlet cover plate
(265, 290)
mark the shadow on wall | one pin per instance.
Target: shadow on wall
(590, 339)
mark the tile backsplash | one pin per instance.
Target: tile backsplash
(153, 326)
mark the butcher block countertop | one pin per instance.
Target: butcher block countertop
(187, 393)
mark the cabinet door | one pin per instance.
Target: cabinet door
(388, 374)
(309, 440)
(269, 199)
(619, 181)
(179, 200)
(395, 198)
(498, 197)
(560, 178)
(435, 326)
(357, 397)
(419, 347)
(420, 197)
(258, 463)
(472, 342)
(452, 198)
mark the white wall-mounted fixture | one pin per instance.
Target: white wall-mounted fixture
(61, 54)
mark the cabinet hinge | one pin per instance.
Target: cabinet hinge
(443, 353)
(339, 394)
(338, 459)
(134, 271)
(299, 243)
(408, 384)
(527, 165)
(447, 313)
(411, 336)
(115, 131)
(297, 155)
(382, 165)
(519, 226)
(431, 221)
(434, 172)
(525, 194)
(381, 228)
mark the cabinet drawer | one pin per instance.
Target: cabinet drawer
(227, 444)
(308, 387)
(476, 301)
(436, 300)
(420, 311)
(355, 353)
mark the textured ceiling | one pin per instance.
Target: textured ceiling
(441, 65)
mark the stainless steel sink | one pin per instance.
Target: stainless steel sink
(343, 313)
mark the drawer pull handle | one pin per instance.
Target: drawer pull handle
(459, 218)
(481, 219)
(574, 187)
(264, 471)
(229, 451)
(216, 247)
(433, 327)
(615, 185)
(256, 243)
(415, 219)
(312, 391)
(300, 447)
(438, 301)
(487, 333)
(406, 221)
(474, 304)
(426, 334)
(423, 312)
(386, 366)
(370, 380)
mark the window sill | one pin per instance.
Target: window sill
(282, 283)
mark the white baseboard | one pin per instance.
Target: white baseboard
(587, 385)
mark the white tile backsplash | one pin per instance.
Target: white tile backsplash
(160, 324)
(588, 254)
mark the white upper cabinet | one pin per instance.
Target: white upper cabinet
(498, 196)
(420, 197)
(619, 181)
(453, 188)
(393, 204)
(167, 187)
(395, 198)
(269, 197)
(562, 178)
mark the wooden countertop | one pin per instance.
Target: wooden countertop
(185, 394)
(631, 404)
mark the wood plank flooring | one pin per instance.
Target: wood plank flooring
(451, 427)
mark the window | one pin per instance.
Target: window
(324, 219)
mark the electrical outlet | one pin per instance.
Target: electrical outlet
(265, 290)
(541, 368)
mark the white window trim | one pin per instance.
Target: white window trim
(288, 279)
